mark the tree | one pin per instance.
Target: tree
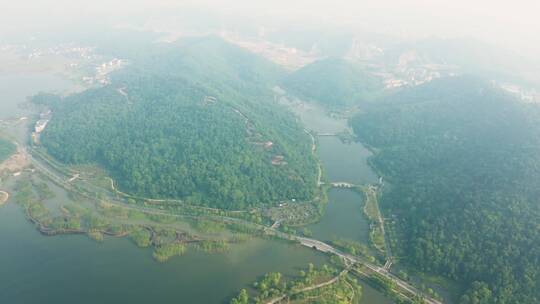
(242, 298)
(462, 159)
(170, 143)
(479, 293)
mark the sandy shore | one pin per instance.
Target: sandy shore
(15, 162)
(4, 196)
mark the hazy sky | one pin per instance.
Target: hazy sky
(514, 24)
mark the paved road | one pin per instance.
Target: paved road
(323, 247)
(311, 243)
(372, 190)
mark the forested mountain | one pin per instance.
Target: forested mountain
(210, 61)
(193, 120)
(333, 82)
(463, 164)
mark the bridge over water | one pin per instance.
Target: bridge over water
(340, 184)
(326, 248)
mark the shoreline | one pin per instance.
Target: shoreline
(4, 196)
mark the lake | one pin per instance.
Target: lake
(342, 162)
(75, 269)
(16, 87)
(343, 218)
(345, 162)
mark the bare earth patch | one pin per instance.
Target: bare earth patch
(15, 162)
(3, 197)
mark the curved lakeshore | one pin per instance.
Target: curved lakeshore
(236, 262)
(4, 196)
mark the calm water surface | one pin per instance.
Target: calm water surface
(343, 218)
(16, 87)
(345, 162)
(75, 269)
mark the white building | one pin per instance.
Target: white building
(40, 125)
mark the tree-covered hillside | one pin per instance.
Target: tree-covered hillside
(6, 149)
(463, 163)
(193, 120)
(333, 82)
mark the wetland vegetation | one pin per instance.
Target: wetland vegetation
(6, 149)
(327, 284)
(63, 198)
(189, 151)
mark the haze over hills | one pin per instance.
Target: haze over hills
(392, 145)
(334, 82)
(472, 56)
(194, 121)
(461, 158)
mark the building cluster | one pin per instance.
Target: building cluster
(278, 160)
(412, 70)
(413, 76)
(103, 71)
(66, 50)
(40, 125)
(524, 94)
(289, 57)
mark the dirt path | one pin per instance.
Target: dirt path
(314, 151)
(310, 288)
(15, 162)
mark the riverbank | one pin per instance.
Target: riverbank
(328, 284)
(167, 219)
(4, 196)
(115, 269)
(377, 234)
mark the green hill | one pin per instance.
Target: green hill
(333, 82)
(196, 124)
(6, 149)
(462, 160)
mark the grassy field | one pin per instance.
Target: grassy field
(371, 210)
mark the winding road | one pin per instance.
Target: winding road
(308, 242)
(309, 288)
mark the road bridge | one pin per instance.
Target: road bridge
(326, 248)
(60, 179)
